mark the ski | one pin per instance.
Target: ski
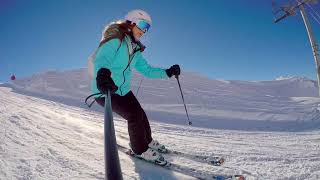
(178, 168)
(214, 160)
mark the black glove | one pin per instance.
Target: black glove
(105, 82)
(173, 70)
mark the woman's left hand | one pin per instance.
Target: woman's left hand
(173, 70)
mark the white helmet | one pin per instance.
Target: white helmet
(136, 15)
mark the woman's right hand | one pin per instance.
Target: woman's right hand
(105, 82)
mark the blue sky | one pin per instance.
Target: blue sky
(232, 40)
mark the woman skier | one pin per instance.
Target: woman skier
(120, 50)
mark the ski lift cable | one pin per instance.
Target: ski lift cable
(314, 14)
(315, 18)
(313, 10)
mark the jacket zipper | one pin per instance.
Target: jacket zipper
(129, 62)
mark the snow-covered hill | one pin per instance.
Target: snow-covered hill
(43, 139)
(285, 104)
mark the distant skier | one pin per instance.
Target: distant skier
(119, 51)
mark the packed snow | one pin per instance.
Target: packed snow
(264, 129)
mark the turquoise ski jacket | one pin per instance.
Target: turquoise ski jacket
(118, 58)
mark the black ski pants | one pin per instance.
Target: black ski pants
(130, 109)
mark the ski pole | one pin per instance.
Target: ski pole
(111, 157)
(185, 107)
(139, 87)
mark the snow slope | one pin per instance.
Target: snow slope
(43, 139)
(285, 104)
(46, 140)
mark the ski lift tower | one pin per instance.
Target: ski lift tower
(289, 9)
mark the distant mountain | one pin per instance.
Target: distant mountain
(71, 84)
(76, 83)
(227, 103)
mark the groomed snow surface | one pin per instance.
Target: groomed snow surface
(265, 130)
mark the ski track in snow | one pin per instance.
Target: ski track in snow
(41, 139)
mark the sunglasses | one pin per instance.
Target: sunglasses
(143, 25)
